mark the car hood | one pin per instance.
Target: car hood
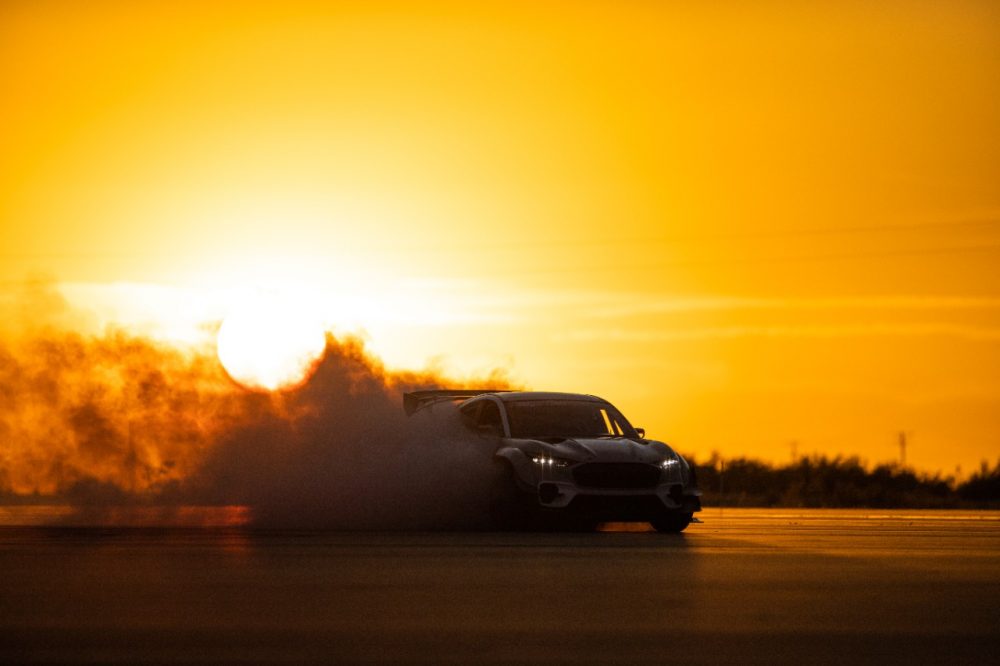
(582, 449)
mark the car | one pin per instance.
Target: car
(569, 459)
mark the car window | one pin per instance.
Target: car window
(611, 423)
(471, 411)
(489, 418)
(566, 418)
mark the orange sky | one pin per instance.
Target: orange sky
(745, 225)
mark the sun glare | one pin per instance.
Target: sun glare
(269, 345)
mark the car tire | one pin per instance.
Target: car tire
(510, 507)
(672, 522)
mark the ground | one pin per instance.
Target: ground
(743, 586)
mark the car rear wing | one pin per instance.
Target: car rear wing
(418, 399)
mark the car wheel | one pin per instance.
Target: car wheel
(510, 507)
(672, 521)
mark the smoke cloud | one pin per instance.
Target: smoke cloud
(113, 423)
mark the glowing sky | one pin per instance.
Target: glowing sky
(744, 225)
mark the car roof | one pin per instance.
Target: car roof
(517, 396)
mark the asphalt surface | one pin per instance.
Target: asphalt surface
(743, 587)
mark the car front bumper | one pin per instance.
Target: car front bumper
(565, 494)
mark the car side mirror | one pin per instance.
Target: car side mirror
(642, 432)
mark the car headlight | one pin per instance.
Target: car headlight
(546, 461)
(670, 462)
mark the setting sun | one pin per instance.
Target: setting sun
(731, 268)
(269, 345)
(766, 229)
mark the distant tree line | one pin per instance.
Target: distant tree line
(822, 482)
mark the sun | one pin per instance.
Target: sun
(268, 344)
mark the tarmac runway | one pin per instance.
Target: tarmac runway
(745, 586)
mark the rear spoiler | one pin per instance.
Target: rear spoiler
(417, 399)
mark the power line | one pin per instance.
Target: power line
(617, 267)
(520, 244)
(589, 267)
(690, 237)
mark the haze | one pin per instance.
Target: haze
(745, 226)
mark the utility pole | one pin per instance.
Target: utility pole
(795, 451)
(722, 486)
(902, 449)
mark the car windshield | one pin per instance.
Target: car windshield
(566, 418)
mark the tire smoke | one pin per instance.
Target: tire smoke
(112, 421)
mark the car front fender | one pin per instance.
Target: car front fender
(524, 470)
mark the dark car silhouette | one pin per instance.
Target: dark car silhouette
(570, 459)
